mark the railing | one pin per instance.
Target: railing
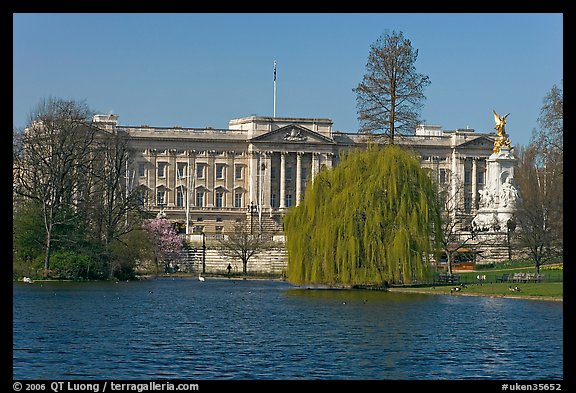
(181, 129)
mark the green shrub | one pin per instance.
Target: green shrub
(70, 265)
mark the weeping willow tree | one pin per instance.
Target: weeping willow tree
(370, 220)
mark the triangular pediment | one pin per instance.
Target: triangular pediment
(480, 142)
(292, 133)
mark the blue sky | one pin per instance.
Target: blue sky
(197, 70)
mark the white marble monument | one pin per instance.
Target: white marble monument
(497, 201)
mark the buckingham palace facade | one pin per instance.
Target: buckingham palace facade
(207, 179)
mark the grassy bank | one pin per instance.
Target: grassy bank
(538, 291)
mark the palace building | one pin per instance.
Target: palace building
(206, 179)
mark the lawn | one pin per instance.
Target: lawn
(542, 290)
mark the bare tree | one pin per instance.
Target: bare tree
(390, 95)
(540, 211)
(114, 207)
(550, 136)
(51, 161)
(453, 239)
(242, 243)
(540, 179)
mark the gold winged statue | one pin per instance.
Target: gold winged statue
(502, 139)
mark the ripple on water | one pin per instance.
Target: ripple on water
(244, 329)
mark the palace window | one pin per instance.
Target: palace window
(219, 199)
(141, 169)
(219, 171)
(238, 171)
(199, 199)
(180, 197)
(288, 200)
(467, 203)
(442, 176)
(161, 169)
(273, 200)
(181, 168)
(200, 171)
(238, 199)
(289, 173)
(160, 197)
(480, 177)
(141, 198)
(467, 177)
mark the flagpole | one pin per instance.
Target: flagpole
(274, 87)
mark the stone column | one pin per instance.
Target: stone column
(210, 176)
(192, 174)
(229, 182)
(454, 181)
(282, 180)
(298, 177)
(154, 176)
(148, 168)
(314, 165)
(253, 178)
(474, 177)
(329, 160)
(171, 176)
(267, 179)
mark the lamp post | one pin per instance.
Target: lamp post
(510, 227)
(187, 201)
(203, 252)
(252, 208)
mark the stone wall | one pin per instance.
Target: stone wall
(273, 261)
(493, 247)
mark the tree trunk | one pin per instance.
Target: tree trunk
(449, 260)
(47, 252)
(48, 225)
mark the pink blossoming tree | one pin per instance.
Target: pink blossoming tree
(165, 240)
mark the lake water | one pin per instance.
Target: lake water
(224, 329)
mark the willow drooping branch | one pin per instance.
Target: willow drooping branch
(369, 220)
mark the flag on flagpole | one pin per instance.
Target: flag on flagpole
(274, 70)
